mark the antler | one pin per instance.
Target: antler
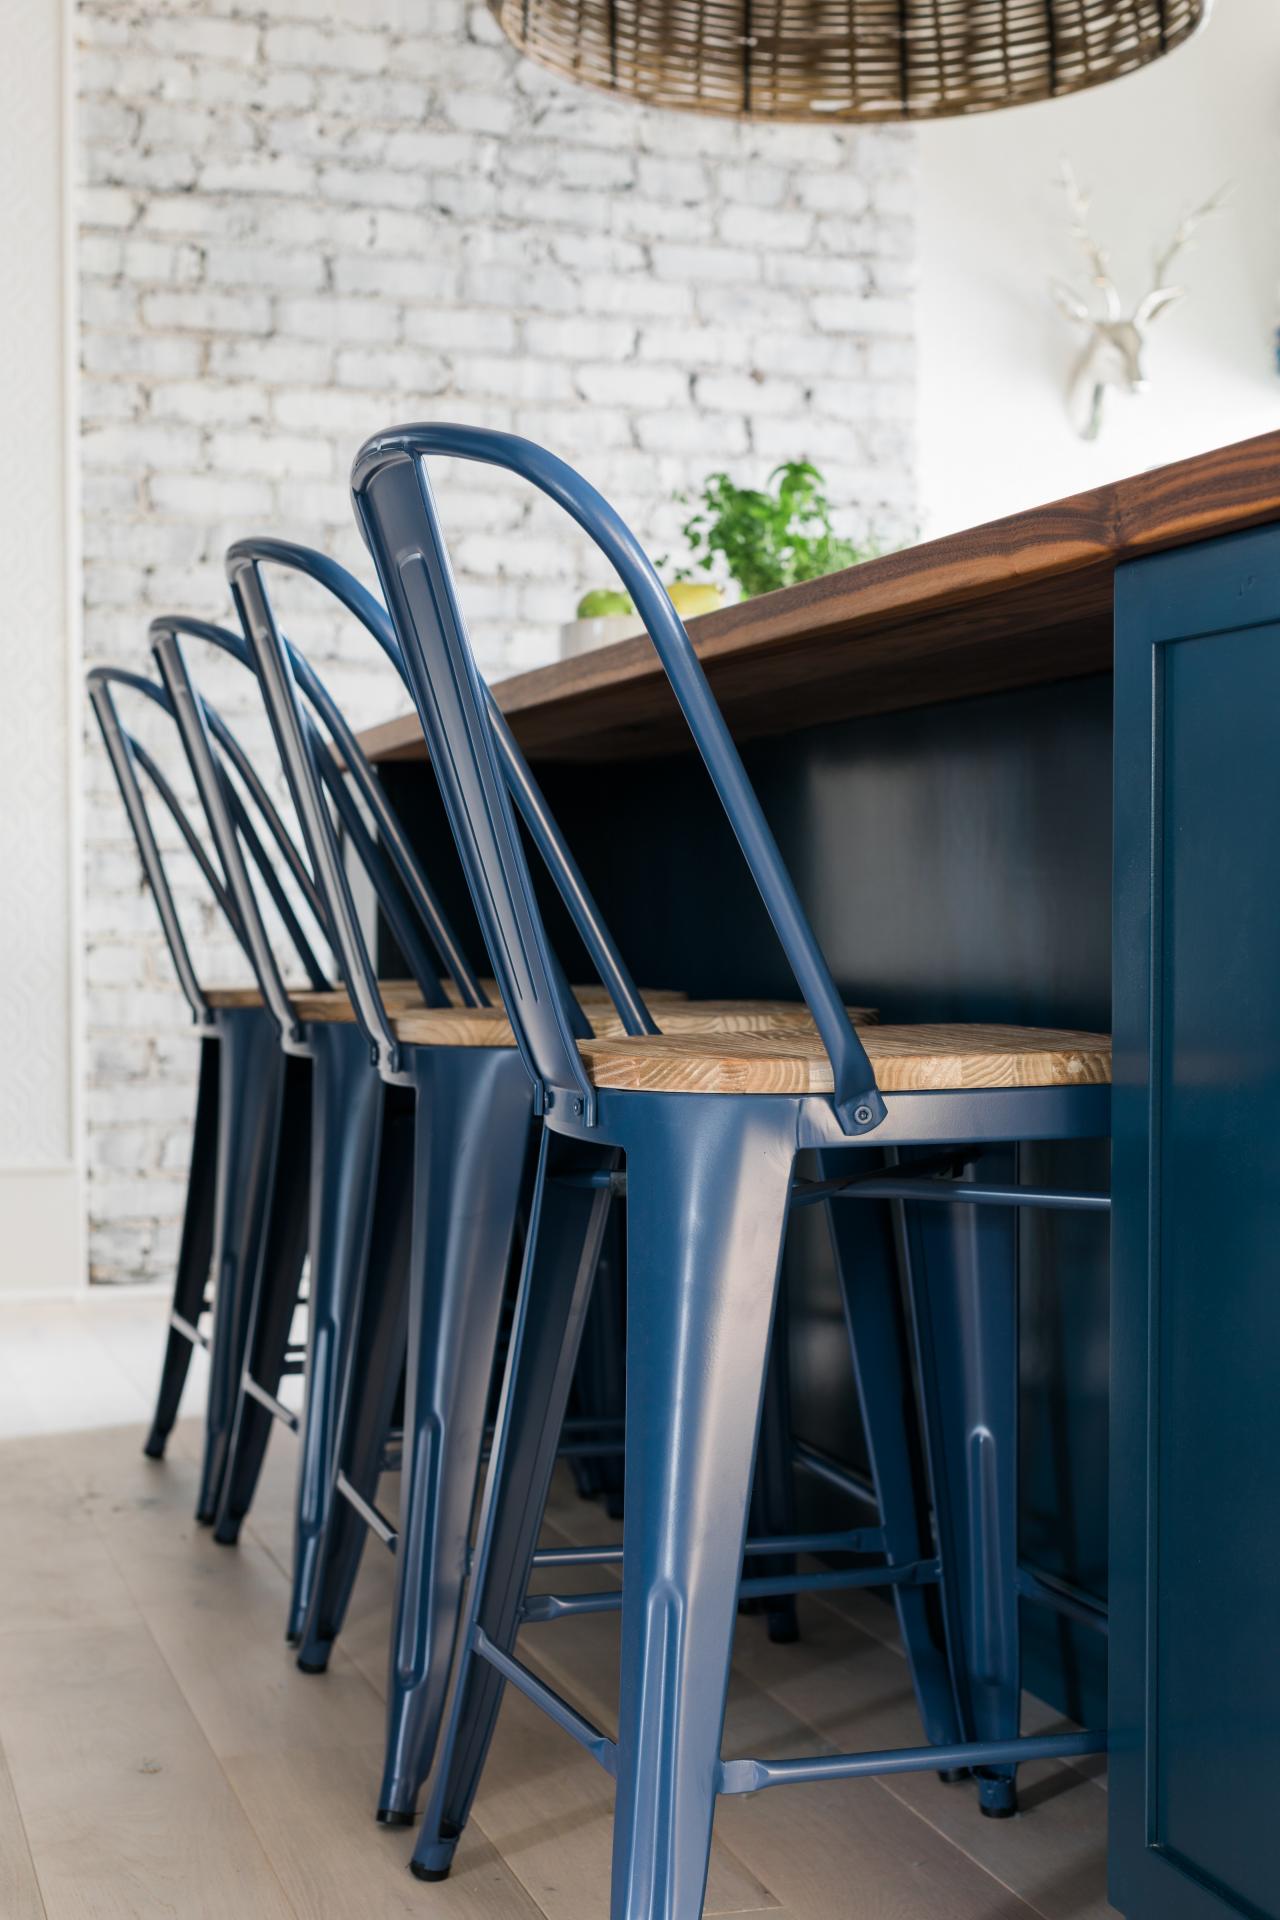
(1163, 294)
(1078, 204)
(1184, 230)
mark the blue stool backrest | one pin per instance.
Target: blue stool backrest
(283, 675)
(400, 888)
(127, 755)
(397, 513)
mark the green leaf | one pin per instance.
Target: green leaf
(771, 538)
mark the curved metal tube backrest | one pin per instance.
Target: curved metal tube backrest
(126, 754)
(303, 769)
(246, 556)
(283, 671)
(397, 513)
(166, 645)
(192, 716)
(282, 668)
(231, 754)
(245, 560)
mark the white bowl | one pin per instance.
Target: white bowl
(584, 636)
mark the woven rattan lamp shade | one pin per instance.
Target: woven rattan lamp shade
(845, 59)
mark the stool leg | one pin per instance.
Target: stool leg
(862, 1242)
(251, 1080)
(275, 1297)
(565, 1236)
(195, 1252)
(373, 1393)
(599, 1387)
(964, 1271)
(475, 1109)
(708, 1194)
(346, 1129)
(773, 1494)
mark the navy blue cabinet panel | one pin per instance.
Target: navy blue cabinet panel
(1195, 1545)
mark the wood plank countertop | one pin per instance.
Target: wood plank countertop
(1011, 604)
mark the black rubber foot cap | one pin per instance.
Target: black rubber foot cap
(952, 1776)
(154, 1449)
(998, 1813)
(205, 1519)
(428, 1873)
(388, 1817)
(223, 1537)
(314, 1666)
(784, 1632)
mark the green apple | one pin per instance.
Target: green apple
(692, 597)
(602, 602)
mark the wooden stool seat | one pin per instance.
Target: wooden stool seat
(592, 990)
(730, 1016)
(404, 996)
(330, 1004)
(695, 1019)
(230, 997)
(916, 1059)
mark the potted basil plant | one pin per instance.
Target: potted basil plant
(761, 539)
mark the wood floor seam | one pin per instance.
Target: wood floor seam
(9, 1794)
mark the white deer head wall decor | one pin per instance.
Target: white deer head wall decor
(1112, 355)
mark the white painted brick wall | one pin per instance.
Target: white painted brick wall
(301, 220)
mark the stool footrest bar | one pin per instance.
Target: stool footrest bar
(974, 1193)
(540, 1607)
(912, 1573)
(750, 1776)
(276, 1408)
(566, 1717)
(852, 1540)
(603, 1182)
(807, 1193)
(1064, 1598)
(835, 1473)
(183, 1326)
(375, 1521)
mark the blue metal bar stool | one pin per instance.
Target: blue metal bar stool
(709, 1128)
(472, 1124)
(231, 1184)
(335, 1111)
(449, 1324)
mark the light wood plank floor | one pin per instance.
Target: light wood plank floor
(161, 1758)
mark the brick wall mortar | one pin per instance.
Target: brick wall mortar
(304, 219)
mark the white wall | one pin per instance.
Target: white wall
(993, 352)
(305, 219)
(41, 1242)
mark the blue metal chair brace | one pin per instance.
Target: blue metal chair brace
(710, 1181)
(399, 883)
(124, 750)
(471, 1119)
(277, 664)
(228, 1201)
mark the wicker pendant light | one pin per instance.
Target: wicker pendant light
(850, 60)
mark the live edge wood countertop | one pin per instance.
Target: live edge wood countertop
(1011, 604)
